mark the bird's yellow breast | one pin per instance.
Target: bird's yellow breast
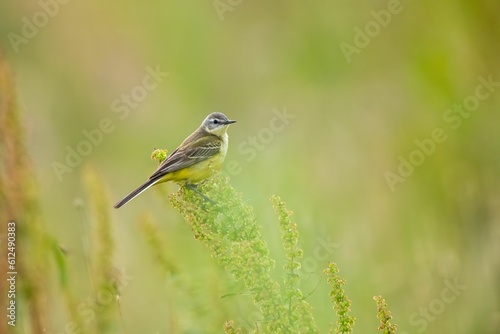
(197, 172)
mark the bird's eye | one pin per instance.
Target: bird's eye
(216, 121)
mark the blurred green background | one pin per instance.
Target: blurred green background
(352, 119)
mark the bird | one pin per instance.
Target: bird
(190, 163)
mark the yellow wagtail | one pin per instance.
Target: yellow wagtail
(189, 163)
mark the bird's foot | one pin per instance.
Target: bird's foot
(194, 188)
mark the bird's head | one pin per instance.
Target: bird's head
(216, 123)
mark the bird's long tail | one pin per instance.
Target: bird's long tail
(137, 192)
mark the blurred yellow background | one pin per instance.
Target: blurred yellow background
(376, 121)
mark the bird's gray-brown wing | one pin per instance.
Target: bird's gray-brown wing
(190, 152)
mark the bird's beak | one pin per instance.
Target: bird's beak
(230, 121)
